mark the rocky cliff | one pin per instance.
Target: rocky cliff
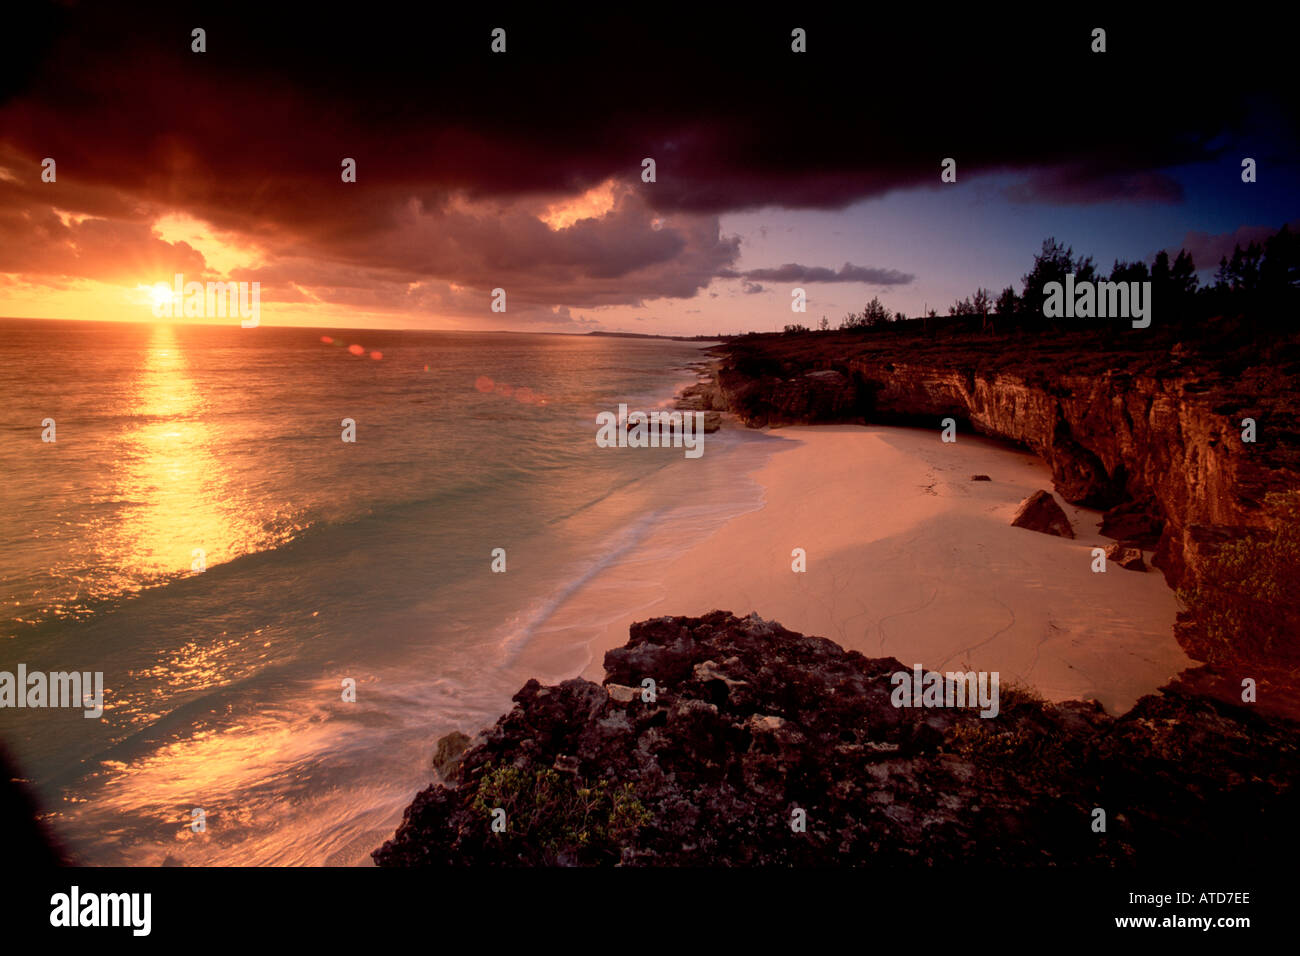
(762, 746)
(1153, 438)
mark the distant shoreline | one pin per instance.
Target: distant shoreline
(187, 323)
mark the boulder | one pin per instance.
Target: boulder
(1126, 555)
(446, 757)
(1040, 512)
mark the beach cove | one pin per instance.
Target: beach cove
(908, 557)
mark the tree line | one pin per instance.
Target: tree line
(1261, 279)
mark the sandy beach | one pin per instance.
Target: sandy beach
(910, 558)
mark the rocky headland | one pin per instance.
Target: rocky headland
(760, 746)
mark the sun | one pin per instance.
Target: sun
(161, 297)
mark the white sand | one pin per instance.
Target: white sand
(909, 558)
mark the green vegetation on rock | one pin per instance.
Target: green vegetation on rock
(557, 818)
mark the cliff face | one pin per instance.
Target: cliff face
(765, 747)
(1160, 453)
(1110, 439)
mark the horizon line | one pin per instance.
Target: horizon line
(352, 328)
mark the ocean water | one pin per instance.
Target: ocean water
(322, 560)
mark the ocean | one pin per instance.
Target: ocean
(199, 532)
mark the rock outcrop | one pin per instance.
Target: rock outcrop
(703, 397)
(823, 396)
(1151, 433)
(1110, 440)
(762, 746)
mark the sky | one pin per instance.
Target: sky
(522, 170)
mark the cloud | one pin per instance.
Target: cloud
(40, 243)
(255, 129)
(1078, 185)
(793, 272)
(461, 153)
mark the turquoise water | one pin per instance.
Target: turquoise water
(322, 561)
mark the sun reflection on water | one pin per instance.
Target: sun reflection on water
(183, 510)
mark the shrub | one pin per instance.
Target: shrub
(1015, 738)
(556, 818)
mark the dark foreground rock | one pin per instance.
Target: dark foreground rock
(27, 841)
(751, 722)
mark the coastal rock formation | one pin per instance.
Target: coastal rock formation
(1040, 512)
(703, 397)
(1156, 442)
(1109, 439)
(825, 395)
(755, 745)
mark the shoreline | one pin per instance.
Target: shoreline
(907, 557)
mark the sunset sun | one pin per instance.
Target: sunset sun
(161, 294)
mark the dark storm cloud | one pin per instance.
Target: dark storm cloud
(256, 126)
(1079, 185)
(249, 135)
